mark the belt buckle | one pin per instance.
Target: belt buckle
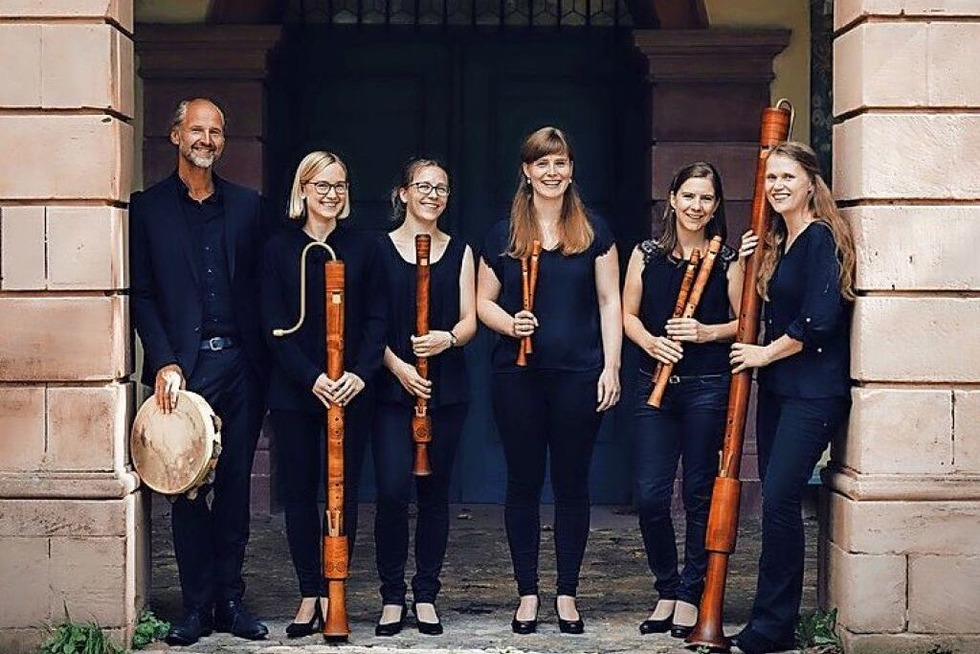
(216, 343)
(674, 379)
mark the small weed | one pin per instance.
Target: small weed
(78, 638)
(818, 629)
(148, 629)
(702, 649)
(939, 649)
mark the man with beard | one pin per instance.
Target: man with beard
(195, 243)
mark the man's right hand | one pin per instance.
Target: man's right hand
(170, 379)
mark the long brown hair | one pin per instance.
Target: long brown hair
(823, 208)
(574, 231)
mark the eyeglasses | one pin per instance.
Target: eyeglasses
(425, 188)
(323, 188)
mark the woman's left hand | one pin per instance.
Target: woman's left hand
(688, 330)
(744, 356)
(345, 389)
(608, 389)
(433, 343)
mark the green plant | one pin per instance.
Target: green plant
(818, 629)
(70, 637)
(149, 628)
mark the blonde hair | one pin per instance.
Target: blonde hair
(312, 165)
(823, 208)
(575, 234)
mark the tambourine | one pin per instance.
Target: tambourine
(176, 452)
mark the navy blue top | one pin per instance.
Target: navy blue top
(450, 383)
(566, 304)
(662, 276)
(805, 303)
(299, 358)
(206, 224)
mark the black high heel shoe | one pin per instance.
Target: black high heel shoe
(427, 628)
(301, 629)
(391, 628)
(569, 626)
(525, 627)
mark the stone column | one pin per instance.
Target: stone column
(227, 63)
(708, 90)
(902, 542)
(72, 529)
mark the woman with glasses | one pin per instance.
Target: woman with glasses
(555, 404)
(299, 389)
(417, 202)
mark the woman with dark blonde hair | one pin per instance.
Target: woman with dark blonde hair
(299, 389)
(807, 284)
(418, 200)
(555, 404)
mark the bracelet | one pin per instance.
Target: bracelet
(452, 339)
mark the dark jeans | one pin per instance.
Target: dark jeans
(792, 434)
(209, 541)
(393, 452)
(689, 426)
(537, 412)
(299, 440)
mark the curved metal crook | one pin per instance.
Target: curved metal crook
(792, 115)
(302, 286)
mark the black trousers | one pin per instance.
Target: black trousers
(540, 412)
(299, 441)
(393, 452)
(210, 537)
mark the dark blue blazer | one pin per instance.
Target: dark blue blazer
(165, 284)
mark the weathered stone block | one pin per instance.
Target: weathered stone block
(87, 427)
(86, 65)
(62, 518)
(915, 248)
(904, 527)
(943, 594)
(25, 574)
(886, 65)
(21, 428)
(952, 84)
(98, 150)
(918, 339)
(868, 590)
(119, 11)
(966, 431)
(87, 248)
(848, 11)
(901, 431)
(35, 347)
(22, 266)
(908, 643)
(20, 50)
(915, 156)
(88, 575)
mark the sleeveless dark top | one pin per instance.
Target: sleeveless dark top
(662, 276)
(450, 382)
(565, 302)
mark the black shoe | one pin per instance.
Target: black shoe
(524, 627)
(230, 617)
(301, 629)
(569, 626)
(683, 630)
(427, 628)
(655, 626)
(391, 628)
(193, 625)
(752, 642)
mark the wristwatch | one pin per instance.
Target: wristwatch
(452, 339)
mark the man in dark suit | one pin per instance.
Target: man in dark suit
(195, 245)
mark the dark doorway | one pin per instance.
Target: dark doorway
(379, 95)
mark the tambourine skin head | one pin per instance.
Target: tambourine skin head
(174, 453)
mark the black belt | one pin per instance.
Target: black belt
(218, 343)
(677, 379)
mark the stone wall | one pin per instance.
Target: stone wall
(901, 545)
(72, 530)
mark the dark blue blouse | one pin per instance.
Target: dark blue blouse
(299, 358)
(662, 276)
(805, 303)
(450, 383)
(566, 304)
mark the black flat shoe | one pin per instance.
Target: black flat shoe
(678, 631)
(569, 626)
(686, 609)
(391, 628)
(301, 629)
(655, 626)
(231, 617)
(752, 642)
(427, 628)
(524, 627)
(193, 625)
